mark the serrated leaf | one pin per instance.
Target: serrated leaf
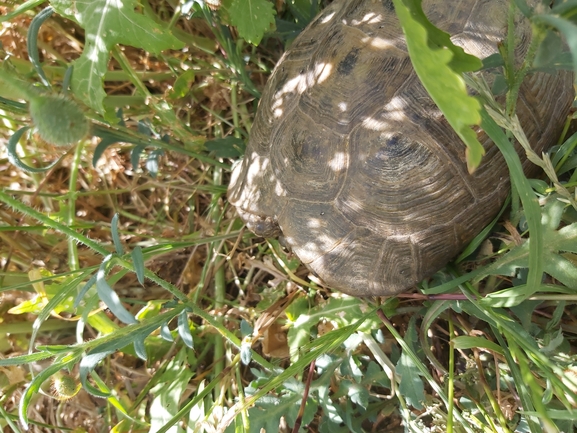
(566, 27)
(252, 18)
(106, 24)
(168, 393)
(26, 359)
(439, 65)
(411, 385)
(268, 411)
(358, 394)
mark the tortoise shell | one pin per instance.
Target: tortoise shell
(352, 162)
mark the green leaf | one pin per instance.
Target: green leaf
(115, 235)
(411, 385)
(32, 43)
(439, 65)
(138, 263)
(169, 391)
(15, 159)
(89, 363)
(357, 394)
(182, 84)
(530, 203)
(268, 411)
(165, 333)
(227, 147)
(108, 23)
(566, 27)
(467, 342)
(252, 18)
(25, 359)
(140, 348)
(34, 386)
(109, 296)
(184, 329)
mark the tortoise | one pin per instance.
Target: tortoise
(352, 162)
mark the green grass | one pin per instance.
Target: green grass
(123, 268)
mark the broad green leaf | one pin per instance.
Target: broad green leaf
(169, 391)
(268, 411)
(357, 393)
(411, 385)
(227, 147)
(566, 27)
(439, 65)
(252, 18)
(106, 24)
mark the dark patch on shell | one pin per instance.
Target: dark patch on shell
(347, 65)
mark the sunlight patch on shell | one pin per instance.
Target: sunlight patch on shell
(327, 18)
(395, 110)
(339, 162)
(300, 84)
(370, 18)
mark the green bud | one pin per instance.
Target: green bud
(59, 120)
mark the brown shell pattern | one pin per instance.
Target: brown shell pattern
(352, 162)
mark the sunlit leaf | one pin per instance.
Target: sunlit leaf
(252, 18)
(440, 64)
(106, 24)
(184, 329)
(109, 296)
